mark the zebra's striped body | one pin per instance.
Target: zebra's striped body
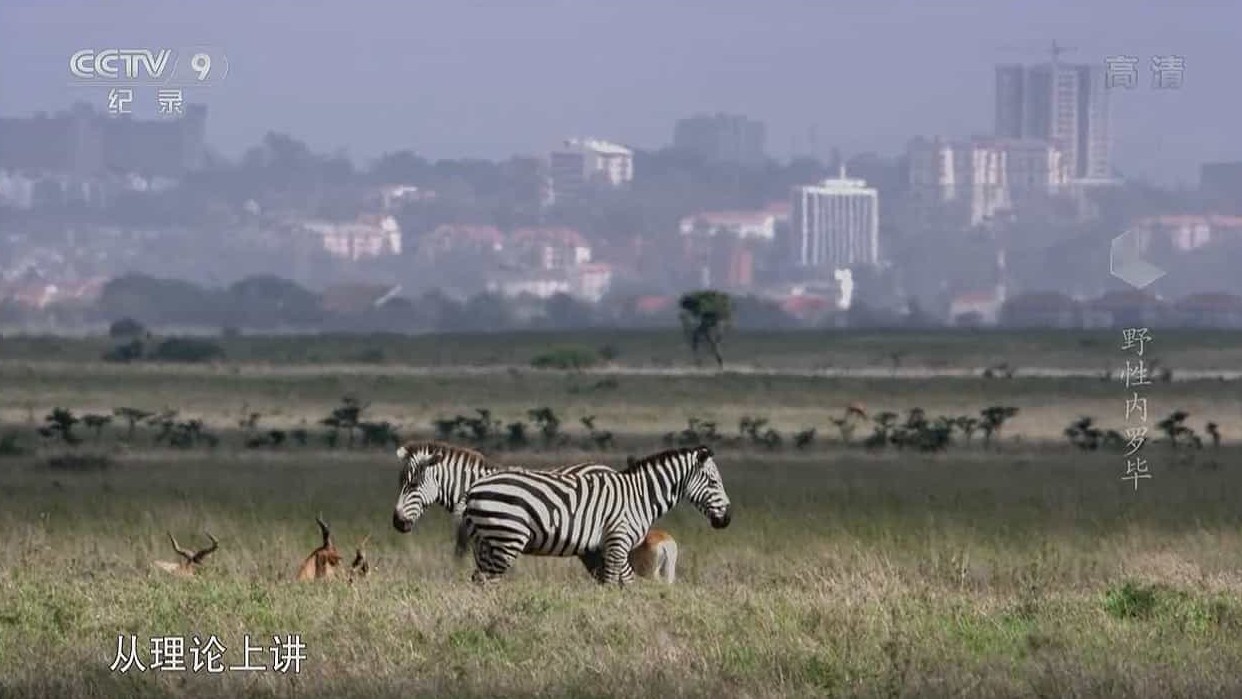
(440, 473)
(554, 514)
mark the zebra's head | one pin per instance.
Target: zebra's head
(705, 489)
(417, 486)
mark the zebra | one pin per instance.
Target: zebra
(435, 472)
(654, 557)
(554, 514)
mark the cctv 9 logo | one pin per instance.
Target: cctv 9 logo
(161, 66)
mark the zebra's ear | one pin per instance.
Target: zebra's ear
(702, 454)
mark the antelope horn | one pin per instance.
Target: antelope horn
(203, 553)
(180, 551)
(327, 535)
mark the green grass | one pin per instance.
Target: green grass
(984, 574)
(1025, 570)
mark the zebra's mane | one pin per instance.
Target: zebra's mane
(661, 456)
(432, 445)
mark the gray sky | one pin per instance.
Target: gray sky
(451, 78)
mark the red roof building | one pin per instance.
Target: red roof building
(807, 307)
(654, 305)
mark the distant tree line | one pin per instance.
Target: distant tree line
(270, 303)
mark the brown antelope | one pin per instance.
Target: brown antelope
(323, 561)
(656, 556)
(190, 561)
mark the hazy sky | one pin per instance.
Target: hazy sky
(451, 78)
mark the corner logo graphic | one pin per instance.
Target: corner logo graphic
(1125, 261)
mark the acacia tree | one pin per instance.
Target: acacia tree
(706, 315)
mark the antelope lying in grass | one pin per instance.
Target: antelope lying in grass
(190, 561)
(323, 562)
(655, 557)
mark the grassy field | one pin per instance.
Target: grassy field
(1186, 349)
(644, 406)
(1027, 568)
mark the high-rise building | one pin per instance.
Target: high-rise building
(835, 224)
(729, 138)
(966, 177)
(1064, 104)
(969, 180)
(580, 162)
(1094, 139)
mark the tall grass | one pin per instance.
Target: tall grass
(1020, 573)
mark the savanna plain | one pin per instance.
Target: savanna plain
(925, 555)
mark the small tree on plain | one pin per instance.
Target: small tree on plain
(59, 425)
(132, 417)
(994, 418)
(705, 316)
(96, 423)
(126, 328)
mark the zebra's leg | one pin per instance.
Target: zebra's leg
(482, 562)
(593, 561)
(626, 576)
(617, 568)
(462, 541)
(492, 560)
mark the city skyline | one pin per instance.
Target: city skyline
(378, 95)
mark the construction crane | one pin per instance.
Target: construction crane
(1058, 50)
(1055, 51)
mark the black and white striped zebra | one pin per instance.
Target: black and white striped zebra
(439, 473)
(554, 514)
